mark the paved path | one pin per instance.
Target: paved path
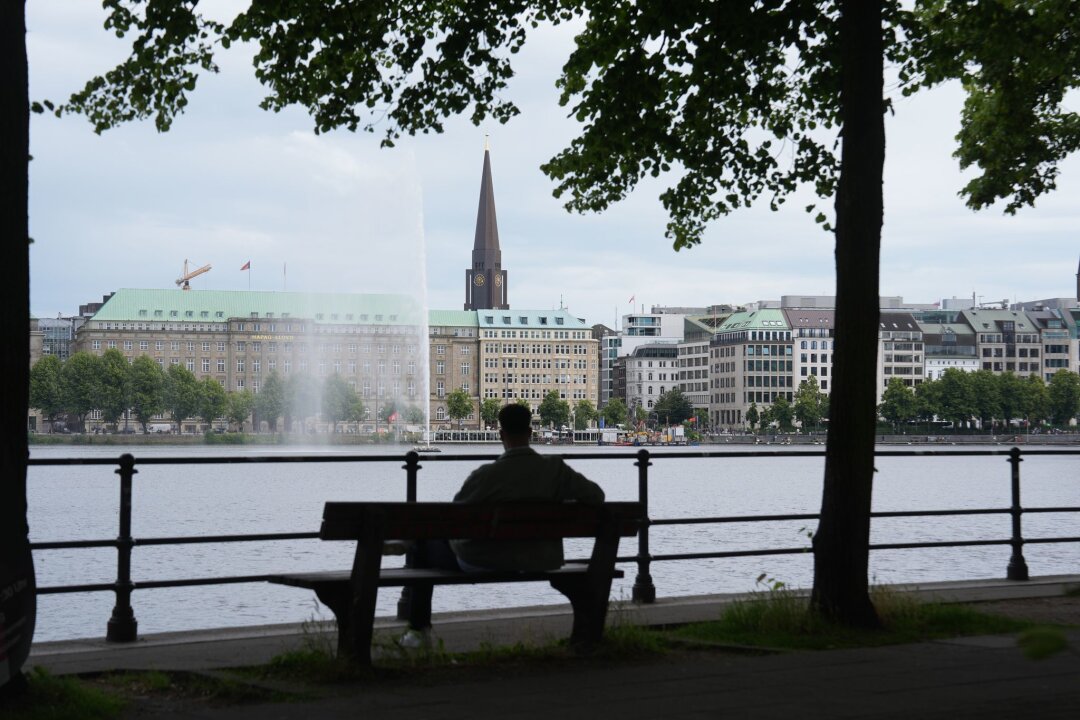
(968, 678)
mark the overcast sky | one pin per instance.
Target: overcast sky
(231, 183)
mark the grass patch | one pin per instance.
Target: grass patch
(781, 619)
(317, 664)
(48, 697)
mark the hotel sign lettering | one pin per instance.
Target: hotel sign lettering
(270, 337)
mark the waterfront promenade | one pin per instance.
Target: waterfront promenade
(981, 677)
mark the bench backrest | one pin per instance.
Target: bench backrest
(517, 521)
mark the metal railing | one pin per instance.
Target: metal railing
(122, 625)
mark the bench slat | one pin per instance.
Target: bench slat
(397, 577)
(522, 521)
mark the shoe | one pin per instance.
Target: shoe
(415, 640)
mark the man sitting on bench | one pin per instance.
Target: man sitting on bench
(519, 474)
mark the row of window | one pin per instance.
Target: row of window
(242, 346)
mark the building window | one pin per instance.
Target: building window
(206, 365)
(221, 365)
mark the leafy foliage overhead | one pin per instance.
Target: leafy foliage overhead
(1017, 61)
(706, 89)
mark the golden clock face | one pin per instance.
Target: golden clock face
(498, 280)
(478, 280)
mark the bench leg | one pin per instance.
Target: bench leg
(354, 639)
(337, 597)
(590, 608)
(589, 594)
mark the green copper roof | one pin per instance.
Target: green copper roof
(764, 319)
(451, 318)
(129, 305)
(539, 319)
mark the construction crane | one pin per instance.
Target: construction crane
(184, 281)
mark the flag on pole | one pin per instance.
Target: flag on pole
(247, 266)
(631, 300)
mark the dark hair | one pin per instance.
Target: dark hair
(516, 419)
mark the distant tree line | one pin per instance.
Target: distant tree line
(141, 390)
(985, 398)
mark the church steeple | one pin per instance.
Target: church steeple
(485, 281)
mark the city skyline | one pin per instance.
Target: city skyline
(232, 184)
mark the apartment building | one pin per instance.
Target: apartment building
(651, 371)
(900, 351)
(527, 353)
(751, 363)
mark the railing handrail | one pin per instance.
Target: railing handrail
(474, 457)
(122, 625)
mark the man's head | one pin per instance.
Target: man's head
(515, 425)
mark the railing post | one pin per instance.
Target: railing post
(644, 591)
(1018, 569)
(411, 467)
(123, 627)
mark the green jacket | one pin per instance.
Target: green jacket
(522, 475)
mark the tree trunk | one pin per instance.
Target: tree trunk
(841, 544)
(17, 592)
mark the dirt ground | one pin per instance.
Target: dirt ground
(1059, 610)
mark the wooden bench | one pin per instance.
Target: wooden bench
(351, 595)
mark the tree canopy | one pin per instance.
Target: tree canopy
(553, 411)
(339, 402)
(115, 385)
(584, 414)
(614, 412)
(270, 402)
(673, 407)
(489, 411)
(46, 393)
(147, 389)
(809, 403)
(459, 405)
(181, 394)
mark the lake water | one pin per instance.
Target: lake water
(69, 503)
